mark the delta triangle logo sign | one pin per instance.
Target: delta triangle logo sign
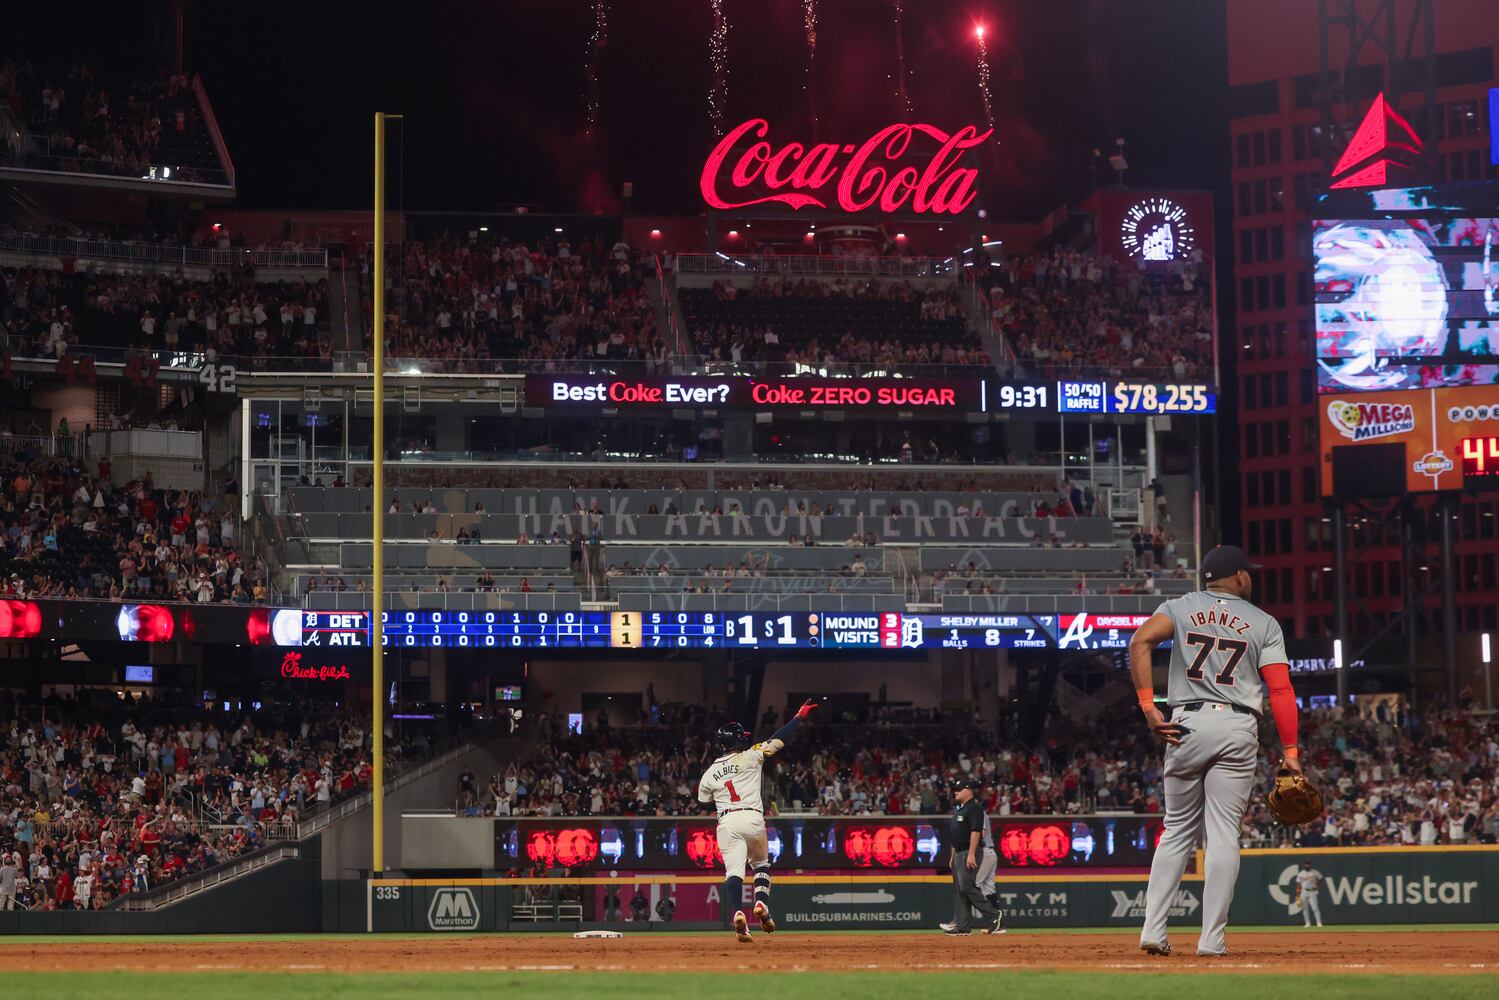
(1384, 143)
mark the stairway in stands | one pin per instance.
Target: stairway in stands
(345, 317)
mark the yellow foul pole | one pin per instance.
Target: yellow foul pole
(377, 590)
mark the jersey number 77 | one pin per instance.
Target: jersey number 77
(1235, 648)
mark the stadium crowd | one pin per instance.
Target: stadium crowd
(1067, 311)
(101, 797)
(474, 305)
(66, 532)
(98, 123)
(48, 314)
(829, 323)
(1376, 792)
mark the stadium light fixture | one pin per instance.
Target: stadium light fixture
(655, 234)
(1488, 674)
(978, 31)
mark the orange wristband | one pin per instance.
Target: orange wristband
(1293, 752)
(1147, 698)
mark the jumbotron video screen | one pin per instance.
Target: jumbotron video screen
(1407, 303)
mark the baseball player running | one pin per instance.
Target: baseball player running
(1308, 888)
(1225, 655)
(732, 784)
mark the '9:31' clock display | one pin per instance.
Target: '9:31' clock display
(1022, 396)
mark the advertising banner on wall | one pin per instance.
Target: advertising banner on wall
(1411, 885)
(737, 392)
(1432, 424)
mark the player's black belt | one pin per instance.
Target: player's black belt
(738, 809)
(1197, 706)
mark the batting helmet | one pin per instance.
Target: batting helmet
(733, 736)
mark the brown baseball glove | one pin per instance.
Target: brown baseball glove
(1294, 800)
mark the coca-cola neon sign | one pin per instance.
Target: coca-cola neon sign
(873, 175)
(292, 670)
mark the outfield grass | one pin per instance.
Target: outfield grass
(671, 986)
(1177, 930)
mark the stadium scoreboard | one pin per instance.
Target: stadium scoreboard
(654, 630)
(494, 629)
(809, 395)
(870, 631)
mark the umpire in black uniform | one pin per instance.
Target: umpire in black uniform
(965, 835)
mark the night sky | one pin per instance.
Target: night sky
(494, 93)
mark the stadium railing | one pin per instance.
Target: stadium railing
(818, 265)
(126, 251)
(355, 364)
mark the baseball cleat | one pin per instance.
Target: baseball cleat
(998, 927)
(762, 914)
(947, 927)
(1152, 948)
(952, 930)
(741, 927)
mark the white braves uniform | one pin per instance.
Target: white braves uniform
(732, 784)
(1309, 880)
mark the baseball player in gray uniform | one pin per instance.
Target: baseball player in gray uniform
(1226, 654)
(1308, 891)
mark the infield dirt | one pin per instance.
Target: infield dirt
(1432, 953)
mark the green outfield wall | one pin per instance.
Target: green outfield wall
(1362, 886)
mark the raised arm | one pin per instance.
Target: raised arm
(783, 735)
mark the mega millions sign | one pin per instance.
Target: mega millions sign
(905, 166)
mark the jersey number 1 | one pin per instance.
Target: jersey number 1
(733, 795)
(1235, 648)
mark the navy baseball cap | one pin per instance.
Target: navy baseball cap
(1223, 562)
(958, 784)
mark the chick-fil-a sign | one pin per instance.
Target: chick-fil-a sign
(292, 669)
(876, 174)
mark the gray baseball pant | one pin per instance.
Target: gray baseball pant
(967, 896)
(1208, 780)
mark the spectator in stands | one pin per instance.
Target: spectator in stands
(1065, 311)
(830, 323)
(124, 540)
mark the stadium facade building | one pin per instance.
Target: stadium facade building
(1279, 168)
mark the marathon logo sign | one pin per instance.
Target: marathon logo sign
(453, 909)
(1367, 421)
(1131, 906)
(959, 395)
